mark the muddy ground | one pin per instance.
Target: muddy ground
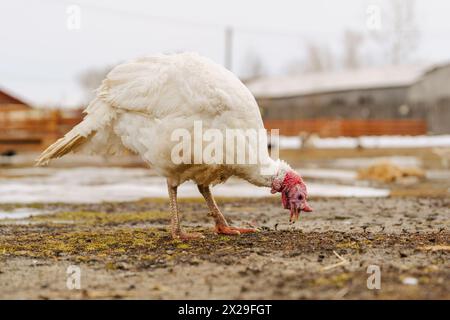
(124, 251)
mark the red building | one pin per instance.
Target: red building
(24, 128)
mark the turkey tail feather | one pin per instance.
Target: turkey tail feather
(99, 115)
(61, 147)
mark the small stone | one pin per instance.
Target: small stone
(410, 281)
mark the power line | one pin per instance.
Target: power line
(187, 22)
(230, 31)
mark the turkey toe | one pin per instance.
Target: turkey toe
(220, 229)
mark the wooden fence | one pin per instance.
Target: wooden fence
(348, 127)
(34, 129)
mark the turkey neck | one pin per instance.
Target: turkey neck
(263, 175)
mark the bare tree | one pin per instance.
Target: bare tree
(318, 58)
(253, 65)
(294, 67)
(404, 35)
(398, 34)
(352, 45)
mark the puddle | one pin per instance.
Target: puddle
(330, 190)
(369, 142)
(356, 163)
(342, 175)
(94, 185)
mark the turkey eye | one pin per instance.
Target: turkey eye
(300, 197)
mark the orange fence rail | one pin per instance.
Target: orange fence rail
(33, 129)
(348, 127)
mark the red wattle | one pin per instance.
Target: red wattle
(291, 179)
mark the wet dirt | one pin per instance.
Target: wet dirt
(123, 250)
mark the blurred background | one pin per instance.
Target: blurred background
(360, 90)
(360, 93)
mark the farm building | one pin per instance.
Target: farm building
(431, 95)
(394, 100)
(24, 128)
(10, 102)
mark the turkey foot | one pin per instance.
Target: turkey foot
(175, 227)
(222, 226)
(224, 229)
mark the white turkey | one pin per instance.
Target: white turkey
(141, 104)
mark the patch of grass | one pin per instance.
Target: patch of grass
(82, 244)
(223, 238)
(348, 245)
(13, 206)
(195, 200)
(165, 200)
(89, 217)
(150, 247)
(183, 246)
(338, 280)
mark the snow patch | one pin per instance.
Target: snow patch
(93, 185)
(21, 213)
(369, 142)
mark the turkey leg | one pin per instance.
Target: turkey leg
(175, 227)
(222, 226)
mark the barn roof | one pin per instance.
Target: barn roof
(313, 83)
(6, 97)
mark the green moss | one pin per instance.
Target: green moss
(94, 244)
(183, 246)
(348, 245)
(166, 201)
(13, 206)
(223, 238)
(103, 217)
(198, 199)
(110, 266)
(339, 280)
(147, 257)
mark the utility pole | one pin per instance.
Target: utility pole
(229, 48)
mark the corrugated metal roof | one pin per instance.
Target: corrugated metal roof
(312, 83)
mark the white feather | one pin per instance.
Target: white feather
(148, 98)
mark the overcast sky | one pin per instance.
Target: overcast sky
(42, 58)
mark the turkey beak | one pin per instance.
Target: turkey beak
(297, 206)
(295, 214)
